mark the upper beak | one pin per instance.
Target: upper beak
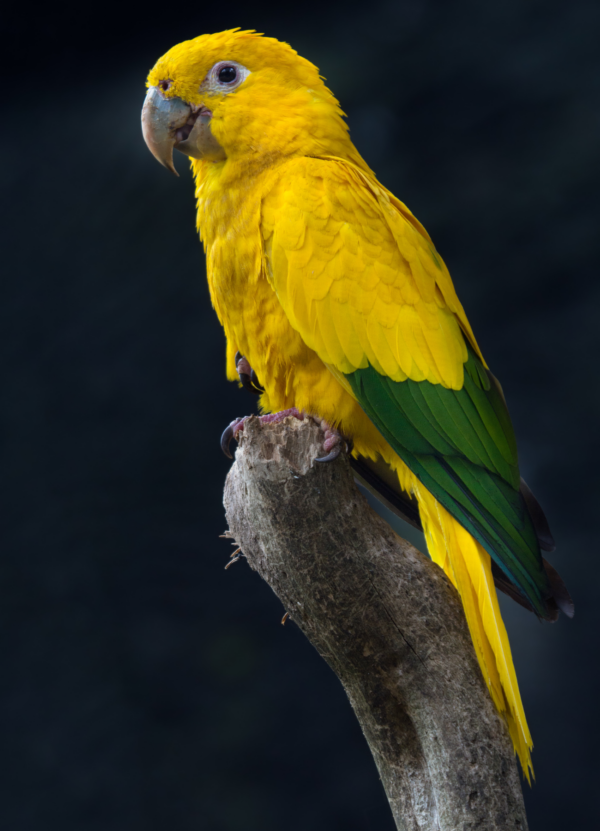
(161, 118)
(169, 123)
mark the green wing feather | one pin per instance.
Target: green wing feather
(461, 445)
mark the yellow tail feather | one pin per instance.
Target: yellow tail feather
(468, 567)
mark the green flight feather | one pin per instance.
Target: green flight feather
(461, 446)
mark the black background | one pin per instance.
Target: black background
(142, 686)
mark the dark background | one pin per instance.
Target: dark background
(141, 685)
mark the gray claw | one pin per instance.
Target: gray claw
(230, 433)
(226, 440)
(333, 454)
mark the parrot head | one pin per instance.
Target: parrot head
(239, 95)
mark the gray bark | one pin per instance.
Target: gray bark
(386, 620)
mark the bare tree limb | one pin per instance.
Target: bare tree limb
(388, 623)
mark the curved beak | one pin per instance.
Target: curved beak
(161, 118)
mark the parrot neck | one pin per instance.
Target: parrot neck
(303, 122)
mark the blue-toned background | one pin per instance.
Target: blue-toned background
(141, 685)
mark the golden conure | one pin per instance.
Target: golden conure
(336, 297)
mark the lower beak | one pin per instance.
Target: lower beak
(169, 123)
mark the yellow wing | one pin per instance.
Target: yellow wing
(359, 277)
(360, 280)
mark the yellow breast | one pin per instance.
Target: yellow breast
(254, 321)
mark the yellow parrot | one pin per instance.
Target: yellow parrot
(333, 294)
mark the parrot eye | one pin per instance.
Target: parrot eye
(225, 76)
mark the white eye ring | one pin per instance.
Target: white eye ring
(224, 76)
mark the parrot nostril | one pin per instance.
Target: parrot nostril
(164, 85)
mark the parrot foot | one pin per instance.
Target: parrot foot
(247, 375)
(334, 442)
(231, 432)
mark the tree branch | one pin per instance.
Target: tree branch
(386, 620)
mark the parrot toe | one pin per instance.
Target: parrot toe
(275, 418)
(334, 442)
(247, 375)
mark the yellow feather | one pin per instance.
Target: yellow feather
(379, 345)
(342, 321)
(468, 566)
(333, 352)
